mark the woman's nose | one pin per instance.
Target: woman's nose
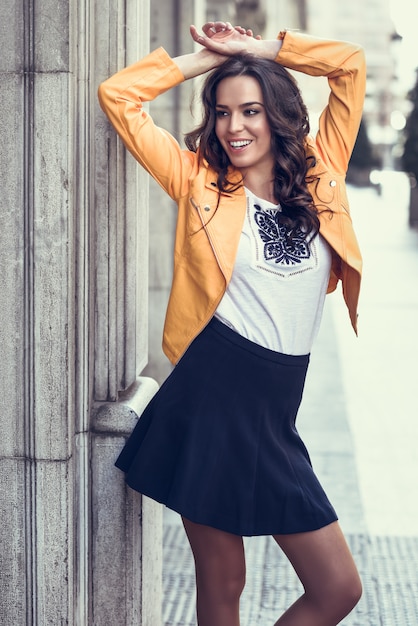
(235, 122)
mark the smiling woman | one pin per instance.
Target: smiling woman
(263, 233)
(243, 130)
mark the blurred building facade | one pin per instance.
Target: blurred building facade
(369, 23)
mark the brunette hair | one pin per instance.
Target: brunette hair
(289, 125)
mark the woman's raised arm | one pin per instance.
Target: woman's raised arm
(220, 40)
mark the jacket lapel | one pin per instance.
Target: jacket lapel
(223, 222)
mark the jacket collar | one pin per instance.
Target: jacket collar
(234, 176)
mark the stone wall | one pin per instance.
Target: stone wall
(76, 546)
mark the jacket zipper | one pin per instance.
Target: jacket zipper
(205, 228)
(206, 322)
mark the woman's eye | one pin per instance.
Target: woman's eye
(221, 113)
(250, 112)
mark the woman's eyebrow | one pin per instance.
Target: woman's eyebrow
(242, 106)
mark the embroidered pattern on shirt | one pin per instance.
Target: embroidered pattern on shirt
(277, 246)
(273, 251)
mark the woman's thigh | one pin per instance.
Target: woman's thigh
(219, 557)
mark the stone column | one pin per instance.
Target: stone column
(37, 312)
(76, 546)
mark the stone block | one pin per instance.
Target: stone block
(13, 542)
(51, 513)
(51, 283)
(116, 539)
(13, 396)
(151, 562)
(120, 417)
(11, 38)
(126, 546)
(51, 36)
(126, 528)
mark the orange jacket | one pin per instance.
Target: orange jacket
(206, 241)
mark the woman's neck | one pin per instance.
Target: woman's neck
(261, 189)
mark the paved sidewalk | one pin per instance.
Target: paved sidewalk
(359, 421)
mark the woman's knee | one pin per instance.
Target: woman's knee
(344, 594)
(232, 583)
(224, 579)
(352, 590)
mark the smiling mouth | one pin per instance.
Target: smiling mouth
(242, 143)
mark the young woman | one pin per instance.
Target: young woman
(263, 233)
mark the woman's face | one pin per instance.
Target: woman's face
(241, 124)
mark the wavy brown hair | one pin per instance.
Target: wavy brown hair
(289, 125)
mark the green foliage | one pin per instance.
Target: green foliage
(409, 157)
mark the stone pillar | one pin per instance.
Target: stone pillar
(76, 546)
(37, 311)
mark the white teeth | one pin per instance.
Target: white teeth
(240, 144)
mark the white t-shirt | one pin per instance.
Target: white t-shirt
(276, 294)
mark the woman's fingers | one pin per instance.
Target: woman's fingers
(223, 38)
(210, 29)
(194, 33)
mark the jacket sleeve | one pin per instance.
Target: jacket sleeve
(122, 97)
(343, 64)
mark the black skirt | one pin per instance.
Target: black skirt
(218, 441)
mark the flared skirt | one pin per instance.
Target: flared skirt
(218, 442)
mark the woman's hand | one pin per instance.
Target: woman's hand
(225, 39)
(219, 41)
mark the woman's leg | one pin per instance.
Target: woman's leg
(326, 569)
(220, 574)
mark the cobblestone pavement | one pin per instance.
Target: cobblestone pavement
(358, 419)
